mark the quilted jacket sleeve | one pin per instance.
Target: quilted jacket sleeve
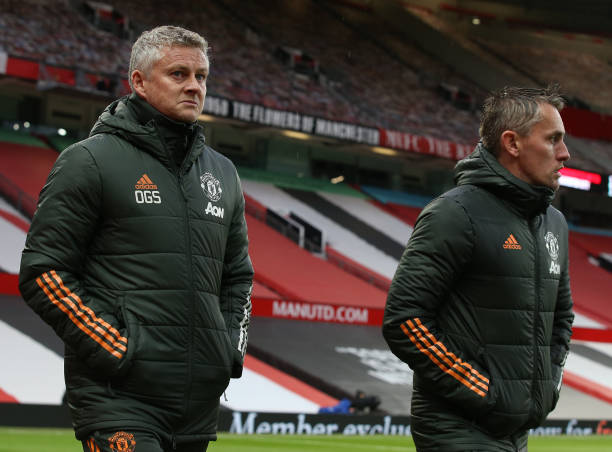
(439, 248)
(53, 258)
(237, 284)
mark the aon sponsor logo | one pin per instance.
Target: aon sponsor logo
(214, 210)
(555, 269)
(147, 196)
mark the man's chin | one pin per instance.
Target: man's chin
(187, 117)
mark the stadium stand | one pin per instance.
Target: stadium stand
(244, 35)
(244, 40)
(23, 171)
(55, 34)
(264, 386)
(300, 276)
(591, 285)
(261, 291)
(13, 240)
(579, 73)
(349, 222)
(529, 50)
(337, 237)
(590, 155)
(13, 216)
(418, 109)
(345, 357)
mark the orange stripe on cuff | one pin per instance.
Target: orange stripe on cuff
(87, 309)
(450, 354)
(76, 321)
(444, 369)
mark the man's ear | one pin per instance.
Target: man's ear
(138, 82)
(509, 142)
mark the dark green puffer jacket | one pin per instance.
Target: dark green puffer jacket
(142, 268)
(480, 308)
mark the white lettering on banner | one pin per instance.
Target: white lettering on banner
(546, 431)
(572, 429)
(382, 364)
(328, 313)
(346, 131)
(336, 129)
(463, 150)
(424, 145)
(276, 118)
(441, 148)
(376, 429)
(240, 428)
(3, 62)
(216, 106)
(301, 427)
(242, 111)
(307, 124)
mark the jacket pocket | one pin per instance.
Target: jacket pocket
(131, 330)
(499, 421)
(499, 424)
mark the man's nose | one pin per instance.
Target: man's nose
(563, 153)
(193, 84)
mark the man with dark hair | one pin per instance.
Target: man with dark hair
(480, 304)
(137, 256)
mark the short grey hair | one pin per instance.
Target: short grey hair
(146, 51)
(517, 109)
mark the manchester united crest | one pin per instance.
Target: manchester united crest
(122, 442)
(552, 245)
(211, 186)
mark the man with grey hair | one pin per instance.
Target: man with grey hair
(480, 304)
(137, 256)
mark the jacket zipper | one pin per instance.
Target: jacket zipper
(191, 295)
(179, 178)
(536, 312)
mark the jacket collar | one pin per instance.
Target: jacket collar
(137, 122)
(482, 169)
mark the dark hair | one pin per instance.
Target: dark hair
(517, 109)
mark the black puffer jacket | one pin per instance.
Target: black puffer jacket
(480, 308)
(142, 268)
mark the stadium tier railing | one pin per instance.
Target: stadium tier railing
(22, 201)
(355, 268)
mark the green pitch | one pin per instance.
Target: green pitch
(50, 440)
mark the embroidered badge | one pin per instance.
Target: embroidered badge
(122, 442)
(211, 186)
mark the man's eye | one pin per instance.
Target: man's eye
(177, 73)
(200, 77)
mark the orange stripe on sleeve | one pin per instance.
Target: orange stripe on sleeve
(66, 300)
(444, 369)
(76, 321)
(450, 354)
(434, 345)
(87, 309)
